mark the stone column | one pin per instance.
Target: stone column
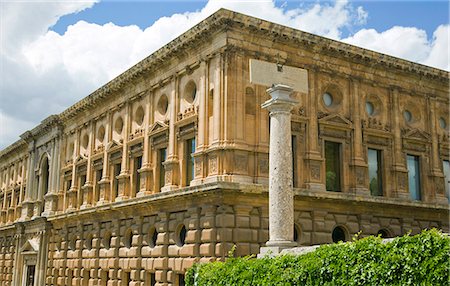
(171, 165)
(358, 165)
(124, 176)
(145, 171)
(104, 183)
(313, 158)
(88, 188)
(281, 198)
(400, 187)
(27, 204)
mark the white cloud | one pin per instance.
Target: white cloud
(9, 126)
(44, 72)
(438, 56)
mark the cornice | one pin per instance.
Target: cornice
(225, 20)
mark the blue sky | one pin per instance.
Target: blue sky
(61, 51)
(426, 15)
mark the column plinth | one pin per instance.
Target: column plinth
(281, 198)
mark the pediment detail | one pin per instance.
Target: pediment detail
(417, 134)
(157, 126)
(112, 144)
(336, 119)
(30, 246)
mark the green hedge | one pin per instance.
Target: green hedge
(422, 259)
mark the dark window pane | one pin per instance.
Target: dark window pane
(333, 166)
(338, 234)
(190, 150)
(162, 170)
(414, 177)
(137, 166)
(375, 179)
(294, 161)
(116, 181)
(447, 178)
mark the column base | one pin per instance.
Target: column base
(359, 191)
(169, 188)
(275, 248)
(121, 198)
(315, 187)
(143, 194)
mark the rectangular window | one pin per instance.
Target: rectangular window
(190, 150)
(82, 180)
(333, 166)
(447, 178)
(375, 172)
(69, 184)
(116, 181)
(137, 175)
(294, 161)
(414, 177)
(126, 278)
(180, 279)
(151, 278)
(98, 178)
(162, 170)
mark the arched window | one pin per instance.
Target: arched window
(181, 235)
(339, 234)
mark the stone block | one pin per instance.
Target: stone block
(243, 235)
(224, 234)
(225, 220)
(207, 222)
(243, 221)
(173, 250)
(208, 235)
(187, 250)
(207, 249)
(255, 222)
(160, 263)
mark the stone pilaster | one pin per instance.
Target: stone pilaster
(171, 175)
(313, 159)
(399, 160)
(358, 166)
(146, 170)
(281, 199)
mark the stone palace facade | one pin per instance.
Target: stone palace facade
(167, 164)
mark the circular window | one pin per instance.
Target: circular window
(327, 99)
(190, 92)
(101, 133)
(338, 234)
(383, 233)
(139, 116)
(128, 239)
(369, 108)
(163, 103)
(107, 240)
(181, 235)
(118, 127)
(153, 237)
(85, 141)
(407, 115)
(442, 123)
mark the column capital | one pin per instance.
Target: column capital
(280, 98)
